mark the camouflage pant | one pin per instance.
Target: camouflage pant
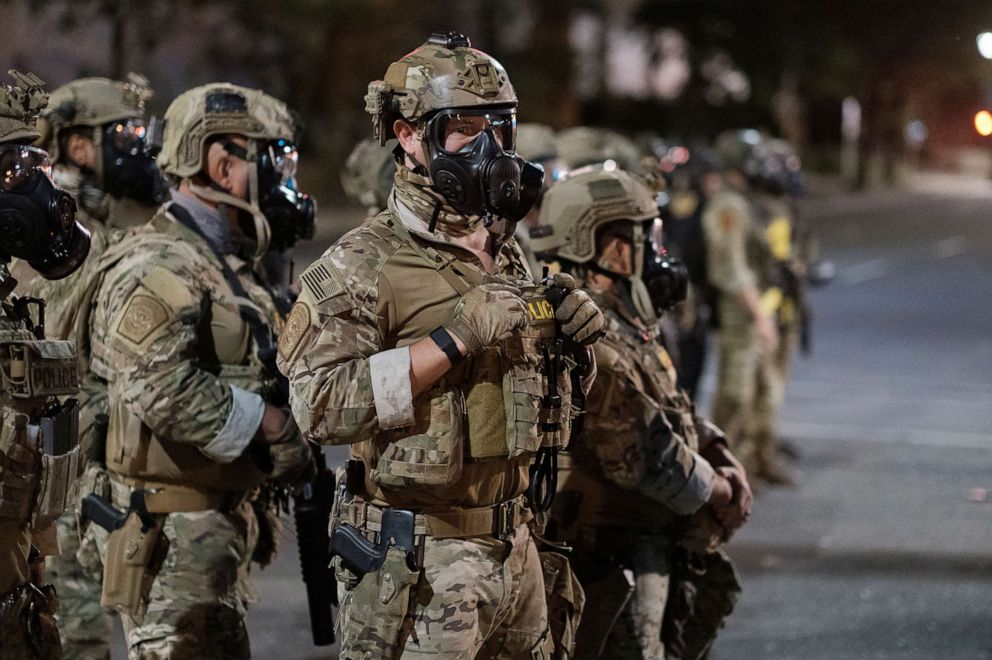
(197, 602)
(476, 598)
(636, 632)
(750, 391)
(77, 574)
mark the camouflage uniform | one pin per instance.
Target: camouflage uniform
(34, 484)
(751, 376)
(639, 446)
(77, 571)
(183, 332)
(456, 455)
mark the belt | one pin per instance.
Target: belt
(172, 498)
(498, 520)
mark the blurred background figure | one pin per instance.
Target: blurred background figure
(367, 175)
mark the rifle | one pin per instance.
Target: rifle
(312, 511)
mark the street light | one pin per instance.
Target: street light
(984, 41)
(983, 123)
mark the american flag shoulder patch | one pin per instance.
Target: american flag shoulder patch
(320, 283)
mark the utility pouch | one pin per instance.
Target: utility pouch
(58, 436)
(566, 600)
(431, 451)
(703, 590)
(134, 553)
(375, 615)
(537, 388)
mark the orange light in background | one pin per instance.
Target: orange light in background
(983, 123)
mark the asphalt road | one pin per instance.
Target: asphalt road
(880, 553)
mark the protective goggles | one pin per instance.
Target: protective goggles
(19, 165)
(455, 131)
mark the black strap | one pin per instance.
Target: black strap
(444, 341)
(260, 331)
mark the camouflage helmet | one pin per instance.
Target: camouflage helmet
(367, 177)
(218, 109)
(536, 142)
(92, 102)
(20, 105)
(445, 72)
(574, 209)
(584, 145)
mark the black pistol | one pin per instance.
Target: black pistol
(361, 556)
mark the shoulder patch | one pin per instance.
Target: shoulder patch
(728, 218)
(142, 316)
(319, 282)
(296, 327)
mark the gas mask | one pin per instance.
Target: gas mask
(666, 277)
(291, 213)
(280, 213)
(129, 170)
(484, 177)
(37, 220)
(633, 233)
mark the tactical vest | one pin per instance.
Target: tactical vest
(587, 498)
(34, 436)
(492, 408)
(228, 349)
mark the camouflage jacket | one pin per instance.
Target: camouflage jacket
(375, 292)
(170, 337)
(69, 301)
(639, 441)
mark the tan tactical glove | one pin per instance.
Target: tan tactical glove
(292, 462)
(580, 317)
(487, 314)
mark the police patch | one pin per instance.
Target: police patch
(319, 283)
(296, 326)
(143, 316)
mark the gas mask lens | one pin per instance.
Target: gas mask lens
(456, 132)
(284, 159)
(128, 137)
(290, 212)
(19, 164)
(128, 168)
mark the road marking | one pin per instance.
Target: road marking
(951, 247)
(865, 271)
(887, 434)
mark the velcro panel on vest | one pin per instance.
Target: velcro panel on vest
(430, 452)
(484, 402)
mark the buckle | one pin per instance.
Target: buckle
(504, 518)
